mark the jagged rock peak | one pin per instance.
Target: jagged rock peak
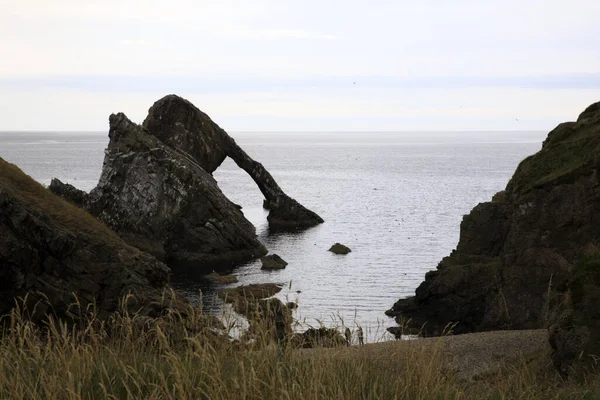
(119, 121)
(177, 122)
(590, 113)
(158, 199)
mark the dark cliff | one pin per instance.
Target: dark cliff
(157, 191)
(179, 124)
(160, 200)
(521, 255)
(51, 250)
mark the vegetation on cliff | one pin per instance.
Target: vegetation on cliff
(26, 190)
(51, 250)
(571, 150)
(533, 247)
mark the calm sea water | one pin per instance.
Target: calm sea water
(396, 199)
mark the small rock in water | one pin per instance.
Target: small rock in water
(291, 305)
(339, 248)
(273, 261)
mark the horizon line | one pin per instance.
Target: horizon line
(308, 131)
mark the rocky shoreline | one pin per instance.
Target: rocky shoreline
(54, 255)
(528, 258)
(156, 201)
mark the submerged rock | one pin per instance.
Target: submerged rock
(221, 279)
(52, 251)
(339, 248)
(160, 200)
(179, 124)
(528, 259)
(273, 261)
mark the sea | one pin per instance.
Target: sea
(395, 198)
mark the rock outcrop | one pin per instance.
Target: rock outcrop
(157, 191)
(528, 259)
(338, 248)
(160, 200)
(51, 250)
(179, 124)
(273, 261)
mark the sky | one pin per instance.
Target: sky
(279, 65)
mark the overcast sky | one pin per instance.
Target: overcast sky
(301, 65)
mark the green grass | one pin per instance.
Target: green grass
(571, 150)
(39, 200)
(499, 197)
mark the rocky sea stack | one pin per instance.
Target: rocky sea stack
(51, 250)
(157, 191)
(181, 125)
(161, 201)
(530, 258)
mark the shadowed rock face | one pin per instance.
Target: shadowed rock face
(530, 258)
(273, 261)
(179, 124)
(51, 250)
(160, 200)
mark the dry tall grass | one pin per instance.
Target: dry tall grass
(180, 357)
